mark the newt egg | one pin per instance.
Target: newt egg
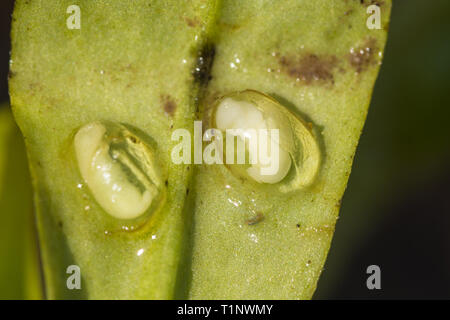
(280, 145)
(118, 167)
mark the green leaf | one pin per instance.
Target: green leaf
(140, 70)
(20, 276)
(129, 63)
(306, 54)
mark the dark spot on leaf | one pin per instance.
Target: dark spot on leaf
(166, 183)
(298, 225)
(191, 22)
(256, 219)
(360, 58)
(205, 58)
(310, 68)
(11, 74)
(187, 191)
(169, 105)
(231, 27)
(371, 2)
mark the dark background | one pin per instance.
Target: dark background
(396, 210)
(6, 7)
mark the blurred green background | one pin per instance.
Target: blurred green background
(396, 210)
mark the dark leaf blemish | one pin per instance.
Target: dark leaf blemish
(256, 219)
(371, 2)
(191, 22)
(205, 58)
(169, 105)
(310, 68)
(360, 58)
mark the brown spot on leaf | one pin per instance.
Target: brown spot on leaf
(191, 22)
(349, 11)
(169, 105)
(371, 2)
(231, 27)
(363, 56)
(255, 220)
(310, 68)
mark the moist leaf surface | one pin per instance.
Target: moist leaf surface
(134, 63)
(131, 62)
(320, 60)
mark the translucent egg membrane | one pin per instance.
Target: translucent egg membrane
(250, 113)
(120, 169)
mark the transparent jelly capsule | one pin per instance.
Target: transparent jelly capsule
(279, 147)
(119, 168)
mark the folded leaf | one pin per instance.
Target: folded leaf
(97, 100)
